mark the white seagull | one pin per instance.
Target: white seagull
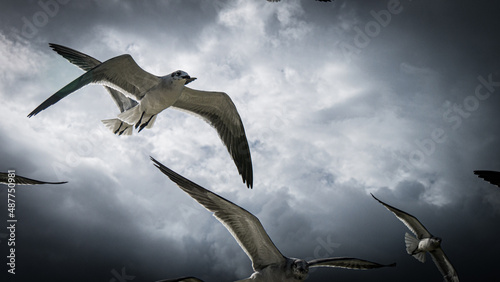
(141, 95)
(492, 177)
(425, 242)
(267, 261)
(20, 180)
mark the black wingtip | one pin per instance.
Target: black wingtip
(56, 47)
(157, 164)
(33, 113)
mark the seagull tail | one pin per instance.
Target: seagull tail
(412, 246)
(132, 115)
(118, 127)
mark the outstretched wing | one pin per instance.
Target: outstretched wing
(409, 220)
(219, 111)
(182, 279)
(444, 265)
(121, 73)
(492, 177)
(351, 263)
(244, 226)
(19, 180)
(86, 63)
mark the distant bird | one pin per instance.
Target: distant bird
(141, 96)
(425, 242)
(267, 261)
(492, 177)
(182, 279)
(19, 180)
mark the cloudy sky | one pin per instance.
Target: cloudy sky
(339, 100)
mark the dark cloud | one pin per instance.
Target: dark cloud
(399, 118)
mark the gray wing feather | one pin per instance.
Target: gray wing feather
(492, 177)
(444, 265)
(217, 109)
(120, 73)
(350, 263)
(86, 63)
(409, 220)
(244, 226)
(20, 180)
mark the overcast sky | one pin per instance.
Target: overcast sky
(339, 100)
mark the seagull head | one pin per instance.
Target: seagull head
(178, 75)
(435, 242)
(300, 269)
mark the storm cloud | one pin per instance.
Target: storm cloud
(339, 100)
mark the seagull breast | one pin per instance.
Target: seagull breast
(163, 95)
(429, 244)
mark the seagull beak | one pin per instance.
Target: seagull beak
(188, 79)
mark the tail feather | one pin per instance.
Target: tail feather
(139, 117)
(131, 115)
(412, 246)
(118, 127)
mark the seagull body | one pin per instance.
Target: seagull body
(141, 96)
(425, 242)
(492, 177)
(268, 263)
(20, 180)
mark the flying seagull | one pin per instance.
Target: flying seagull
(19, 180)
(141, 96)
(492, 177)
(425, 242)
(267, 261)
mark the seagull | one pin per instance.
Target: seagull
(19, 180)
(267, 261)
(141, 96)
(492, 177)
(425, 242)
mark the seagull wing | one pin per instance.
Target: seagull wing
(244, 226)
(86, 63)
(351, 263)
(219, 111)
(444, 265)
(19, 180)
(121, 73)
(492, 177)
(409, 220)
(182, 279)
(83, 61)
